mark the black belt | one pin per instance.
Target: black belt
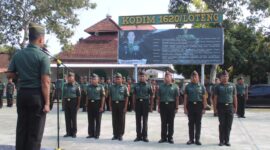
(195, 103)
(167, 102)
(69, 99)
(94, 100)
(240, 94)
(142, 99)
(225, 104)
(117, 101)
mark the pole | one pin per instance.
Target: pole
(58, 124)
(136, 73)
(202, 74)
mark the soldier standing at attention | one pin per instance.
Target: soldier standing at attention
(72, 94)
(118, 105)
(142, 97)
(168, 99)
(2, 87)
(32, 67)
(194, 106)
(9, 92)
(242, 96)
(83, 87)
(226, 105)
(95, 104)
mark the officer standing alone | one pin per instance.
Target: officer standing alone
(194, 106)
(71, 93)
(242, 96)
(226, 105)
(10, 92)
(142, 97)
(32, 67)
(168, 101)
(95, 104)
(118, 105)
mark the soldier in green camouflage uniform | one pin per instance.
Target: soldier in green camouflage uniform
(71, 94)
(226, 105)
(95, 104)
(194, 106)
(168, 100)
(242, 96)
(118, 105)
(10, 88)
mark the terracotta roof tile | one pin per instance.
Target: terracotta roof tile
(105, 25)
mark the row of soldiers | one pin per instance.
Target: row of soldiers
(10, 89)
(225, 104)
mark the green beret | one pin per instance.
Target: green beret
(240, 78)
(118, 75)
(223, 73)
(94, 75)
(36, 29)
(71, 74)
(194, 73)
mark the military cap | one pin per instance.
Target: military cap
(94, 76)
(142, 73)
(168, 73)
(240, 78)
(118, 75)
(71, 74)
(194, 73)
(36, 29)
(224, 73)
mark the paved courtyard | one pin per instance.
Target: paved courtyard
(252, 133)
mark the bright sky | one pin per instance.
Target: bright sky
(115, 8)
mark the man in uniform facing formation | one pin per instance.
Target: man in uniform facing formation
(9, 92)
(194, 106)
(83, 86)
(226, 105)
(118, 105)
(2, 87)
(168, 99)
(142, 97)
(72, 93)
(95, 104)
(242, 97)
(32, 67)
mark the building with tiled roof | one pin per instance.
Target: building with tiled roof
(98, 52)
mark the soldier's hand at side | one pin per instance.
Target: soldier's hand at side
(151, 109)
(125, 110)
(46, 108)
(176, 111)
(101, 109)
(158, 110)
(78, 107)
(235, 110)
(203, 111)
(110, 108)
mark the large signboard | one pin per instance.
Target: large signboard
(173, 46)
(171, 19)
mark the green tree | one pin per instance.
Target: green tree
(59, 17)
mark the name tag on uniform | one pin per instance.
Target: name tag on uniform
(227, 104)
(92, 101)
(141, 100)
(166, 103)
(195, 103)
(116, 102)
(68, 99)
